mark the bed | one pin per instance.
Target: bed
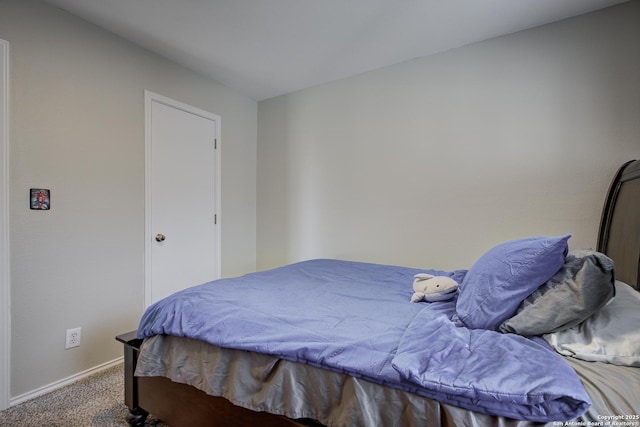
(535, 335)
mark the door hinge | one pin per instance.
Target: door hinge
(215, 144)
(215, 218)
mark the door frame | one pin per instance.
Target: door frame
(5, 284)
(149, 98)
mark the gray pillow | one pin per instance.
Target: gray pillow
(581, 287)
(611, 335)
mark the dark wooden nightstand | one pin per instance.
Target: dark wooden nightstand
(132, 344)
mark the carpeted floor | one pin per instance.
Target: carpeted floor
(97, 400)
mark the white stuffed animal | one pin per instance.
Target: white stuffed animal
(431, 288)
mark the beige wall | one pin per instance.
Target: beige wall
(430, 162)
(77, 127)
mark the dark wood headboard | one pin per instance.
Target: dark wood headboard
(619, 235)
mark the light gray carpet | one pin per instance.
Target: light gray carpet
(97, 400)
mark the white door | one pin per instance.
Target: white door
(181, 197)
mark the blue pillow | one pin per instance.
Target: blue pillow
(504, 276)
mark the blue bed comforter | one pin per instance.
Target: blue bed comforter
(356, 318)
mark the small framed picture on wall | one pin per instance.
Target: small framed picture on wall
(40, 199)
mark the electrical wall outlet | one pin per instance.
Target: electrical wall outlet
(73, 338)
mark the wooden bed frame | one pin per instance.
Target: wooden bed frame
(183, 405)
(619, 235)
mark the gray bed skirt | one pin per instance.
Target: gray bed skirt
(265, 383)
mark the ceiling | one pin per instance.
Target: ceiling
(266, 48)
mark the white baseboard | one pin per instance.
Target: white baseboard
(63, 382)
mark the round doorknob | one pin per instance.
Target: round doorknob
(159, 237)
